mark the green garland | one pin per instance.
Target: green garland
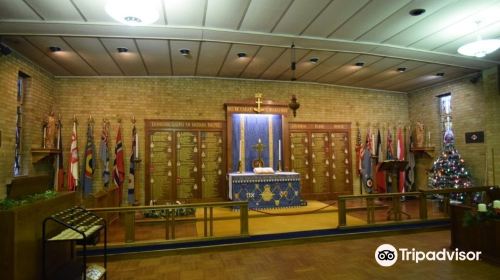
(163, 212)
(474, 217)
(9, 203)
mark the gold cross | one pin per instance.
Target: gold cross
(259, 147)
(259, 102)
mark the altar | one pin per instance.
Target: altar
(281, 189)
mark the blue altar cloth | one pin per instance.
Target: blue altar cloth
(281, 189)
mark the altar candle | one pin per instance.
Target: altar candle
(279, 149)
(260, 141)
(241, 146)
(481, 207)
(496, 204)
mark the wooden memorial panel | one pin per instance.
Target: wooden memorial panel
(187, 164)
(319, 154)
(299, 159)
(212, 179)
(161, 165)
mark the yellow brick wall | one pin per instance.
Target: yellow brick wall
(471, 111)
(37, 103)
(203, 99)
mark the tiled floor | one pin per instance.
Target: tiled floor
(341, 259)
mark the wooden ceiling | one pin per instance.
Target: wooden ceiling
(340, 33)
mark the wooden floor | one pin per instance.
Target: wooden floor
(341, 259)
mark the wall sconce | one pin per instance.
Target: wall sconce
(294, 105)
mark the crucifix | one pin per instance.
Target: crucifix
(259, 147)
(259, 102)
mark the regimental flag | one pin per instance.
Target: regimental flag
(104, 154)
(366, 163)
(410, 168)
(131, 177)
(401, 156)
(379, 158)
(73, 162)
(59, 168)
(88, 170)
(378, 148)
(389, 152)
(358, 152)
(119, 165)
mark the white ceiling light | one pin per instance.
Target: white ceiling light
(134, 12)
(479, 48)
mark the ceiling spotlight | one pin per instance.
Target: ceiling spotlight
(134, 12)
(360, 64)
(417, 12)
(122, 50)
(242, 54)
(440, 74)
(185, 52)
(54, 49)
(314, 60)
(401, 69)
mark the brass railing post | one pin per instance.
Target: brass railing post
(370, 210)
(167, 223)
(342, 212)
(205, 220)
(129, 221)
(423, 206)
(211, 221)
(244, 219)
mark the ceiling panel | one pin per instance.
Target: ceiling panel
(327, 66)
(156, 56)
(93, 10)
(65, 10)
(431, 78)
(389, 73)
(371, 15)
(349, 68)
(262, 15)
(299, 15)
(446, 16)
(130, 62)
(67, 58)
(331, 19)
(304, 65)
(94, 54)
(491, 32)
(225, 14)
(401, 20)
(375, 68)
(184, 65)
(425, 69)
(281, 64)
(233, 65)
(34, 54)
(212, 56)
(15, 9)
(185, 12)
(261, 61)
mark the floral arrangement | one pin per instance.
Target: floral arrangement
(9, 203)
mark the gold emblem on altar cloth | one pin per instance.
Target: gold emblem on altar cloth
(283, 194)
(237, 195)
(267, 194)
(277, 202)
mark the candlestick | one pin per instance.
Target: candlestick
(279, 149)
(481, 207)
(136, 146)
(240, 150)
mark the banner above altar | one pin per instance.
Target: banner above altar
(281, 189)
(248, 130)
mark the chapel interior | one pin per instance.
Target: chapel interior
(249, 139)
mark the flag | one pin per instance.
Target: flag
(358, 152)
(410, 168)
(378, 149)
(73, 161)
(104, 154)
(366, 163)
(131, 178)
(119, 165)
(88, 170)
(379, 174)
(401, 156)
(389, 153)
(59, 169)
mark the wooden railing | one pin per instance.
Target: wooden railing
(128, 215)
(395, 212)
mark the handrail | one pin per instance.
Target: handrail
(377, 195)
(172, 206)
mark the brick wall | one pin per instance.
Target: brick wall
(37, 103)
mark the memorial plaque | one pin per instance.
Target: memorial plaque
(161, 184)
(187, 159)
(211, 144)
(321, 183)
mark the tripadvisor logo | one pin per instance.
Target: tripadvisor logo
(387, 255)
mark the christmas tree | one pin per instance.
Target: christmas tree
(448, 171)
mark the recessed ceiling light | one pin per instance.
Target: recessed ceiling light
(417, 12)
(440, 74)
(122, 50)
(242, 54)
(360, 64)
(185, 52)
(134, 12)
(54, 49)
(314, 60)
(401, 69)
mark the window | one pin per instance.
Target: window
(18, 155)
(445, 113)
